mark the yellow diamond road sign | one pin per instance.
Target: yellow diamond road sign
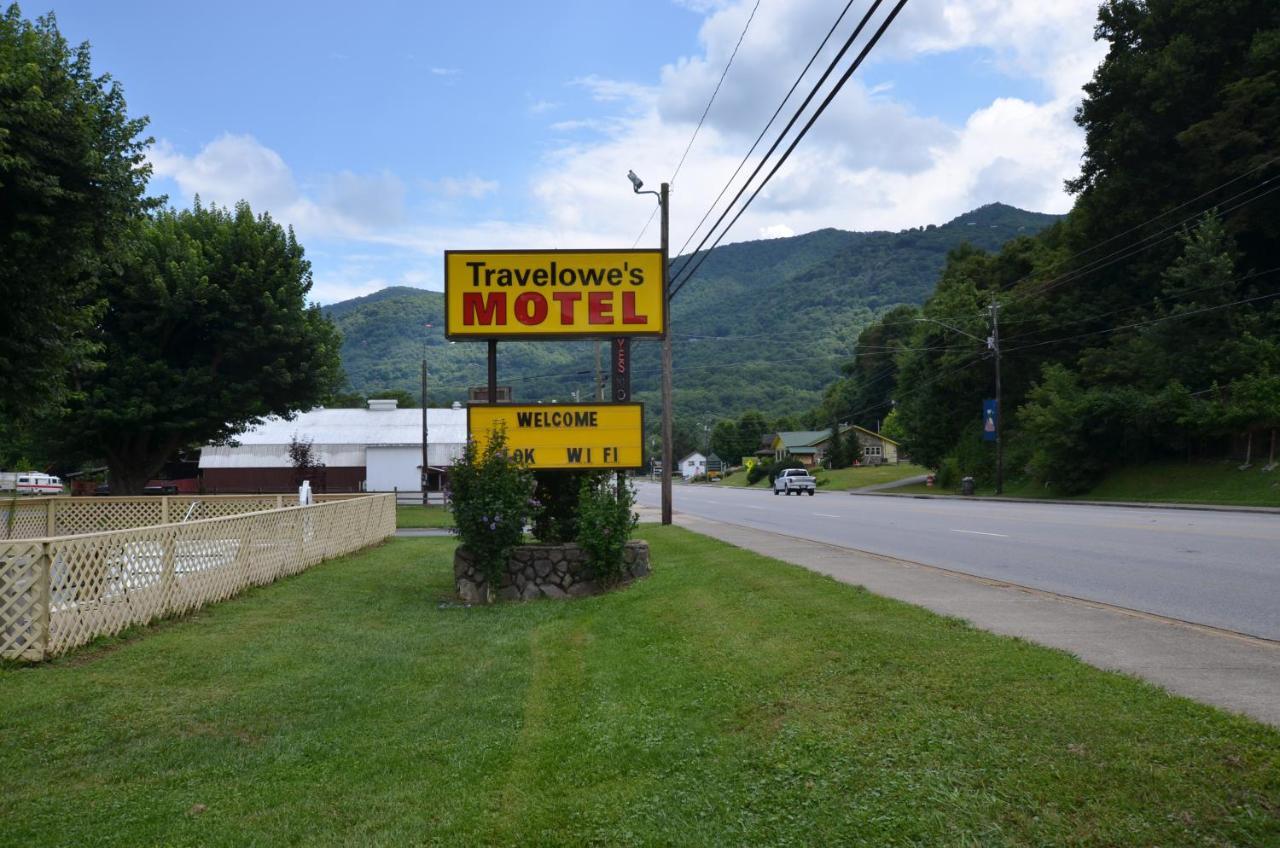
(582, 436)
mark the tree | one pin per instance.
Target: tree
(207, 332)
(837, 453)
(724, 441)
(306, 462)
(72, 177)
(752, 426)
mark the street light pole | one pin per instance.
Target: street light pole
(668, 450)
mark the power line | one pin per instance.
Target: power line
(813, 92)
(1166, 233)
(772, 118)
(689, 146)
(803, 132)
(1148, 323)
(1154, 302)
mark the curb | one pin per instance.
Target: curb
(1125, 504)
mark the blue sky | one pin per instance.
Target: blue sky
(385, 132)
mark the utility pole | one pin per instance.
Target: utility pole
(668, 452)
(995, 347)
(426, 472)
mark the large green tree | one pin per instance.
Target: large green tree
(72, 177)
(207, 331)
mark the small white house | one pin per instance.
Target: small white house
(693, 465)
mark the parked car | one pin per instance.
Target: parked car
(794, 480)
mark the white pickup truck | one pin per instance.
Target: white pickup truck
(794, 480)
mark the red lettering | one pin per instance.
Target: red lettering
(600, 307)
(484, 308)
(531, 308)
(629, 315)
(566, 301)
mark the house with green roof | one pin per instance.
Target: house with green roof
(810, 446)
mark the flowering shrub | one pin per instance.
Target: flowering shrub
(491, 501)
(555, 505)
(605, 522)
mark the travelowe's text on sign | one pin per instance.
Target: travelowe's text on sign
(585, 436)
(553, 293)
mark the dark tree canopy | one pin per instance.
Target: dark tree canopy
(1147, 324)
(72, 177)
(207, 330)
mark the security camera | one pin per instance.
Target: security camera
(636, 182)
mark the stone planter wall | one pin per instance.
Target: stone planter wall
(544, 571)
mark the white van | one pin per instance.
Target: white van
(35, 483)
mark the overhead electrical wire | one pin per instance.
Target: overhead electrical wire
(712, 99)
(849, 42)
(769, 124)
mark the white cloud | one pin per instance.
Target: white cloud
(446, 72)
(232, 168)
(776, 231)
(874, 161)
(472, 187)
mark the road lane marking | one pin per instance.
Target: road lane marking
(753, 506)
(826, 515)
(980, 533)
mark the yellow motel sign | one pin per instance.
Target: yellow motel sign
(548, 294)
(570, 436)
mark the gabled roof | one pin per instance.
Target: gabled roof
(691, 456)
(802, 438)
(363, 427)
(826, 434)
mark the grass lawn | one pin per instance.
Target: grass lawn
(843, 479)
(727, 700)
(1165, 482)
(423, 516)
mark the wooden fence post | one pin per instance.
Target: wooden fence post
(44, 584)
(164, 509)
(168, 577)
(51, 518)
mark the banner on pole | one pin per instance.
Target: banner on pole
(989, 420)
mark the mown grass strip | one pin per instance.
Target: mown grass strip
(728, 699)
(418, 516)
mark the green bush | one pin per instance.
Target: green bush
(758, 472)
(555, 507)
(491, 497)
(778, 467)
(948, 474)
(605, 522)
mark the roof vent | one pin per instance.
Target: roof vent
(382, 404)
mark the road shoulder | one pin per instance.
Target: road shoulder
(1232, 671)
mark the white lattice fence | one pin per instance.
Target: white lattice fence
(58, 593)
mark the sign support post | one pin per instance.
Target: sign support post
(493, 371)
(668, 450)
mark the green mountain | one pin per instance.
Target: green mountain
(764, 325)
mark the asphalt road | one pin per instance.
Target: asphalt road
(1216, 568)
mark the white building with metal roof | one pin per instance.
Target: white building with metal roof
(378, 449)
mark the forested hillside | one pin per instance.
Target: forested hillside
(1147, 324)
(765, 325)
